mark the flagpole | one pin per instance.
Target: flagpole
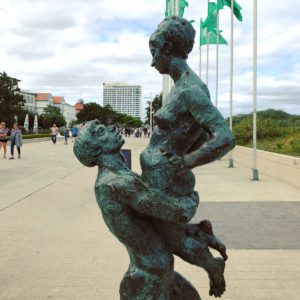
(207, 57)
(200, 50)
(217, 60)
(255, 171)
(150, 121)
(166, 77)
(176, 13)
(231, 83)
(166, 86)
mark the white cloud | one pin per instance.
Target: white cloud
(70, 47)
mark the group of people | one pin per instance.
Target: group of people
(14, 136)
(55, 133)
(137, 132)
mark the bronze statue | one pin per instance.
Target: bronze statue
(149, 214)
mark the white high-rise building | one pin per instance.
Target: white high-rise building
(123, 98)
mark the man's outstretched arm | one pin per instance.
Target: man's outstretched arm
(131, 191)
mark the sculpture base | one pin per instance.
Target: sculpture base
(137, 284)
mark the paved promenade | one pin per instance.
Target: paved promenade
(54, 244)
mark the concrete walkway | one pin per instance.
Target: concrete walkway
(54, 244)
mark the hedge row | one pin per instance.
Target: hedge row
(36, 136)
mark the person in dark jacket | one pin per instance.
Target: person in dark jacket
(15, 140)
(66, 135)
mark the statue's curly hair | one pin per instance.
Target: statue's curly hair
(175, 34)
(85, 148)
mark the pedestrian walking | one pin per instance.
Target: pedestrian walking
(15, 140)
(66, 135)
(74, 133)
(145, 130)
(3, 138)
(54, 133)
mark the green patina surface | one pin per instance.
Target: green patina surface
(149, 213)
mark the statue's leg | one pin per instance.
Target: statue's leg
(183, 289)
(203, 231)
(138, 284)
(151, 273)
(196, 252)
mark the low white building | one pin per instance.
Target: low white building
(42, 100)
(69, 113)
(29, 97)
(66, 109)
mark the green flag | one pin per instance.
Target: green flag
(212, 36)
(170, 6)
(182, 5)
(167, 8)
(236, 7)
(211, 20)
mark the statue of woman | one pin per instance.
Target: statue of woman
(190, 132)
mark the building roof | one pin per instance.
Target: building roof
(57, 99)
(42, 96)
(78, 106)
(27, 92)
(69, 105)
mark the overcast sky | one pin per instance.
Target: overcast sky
(69, 48)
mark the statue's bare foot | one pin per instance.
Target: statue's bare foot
(217, 280)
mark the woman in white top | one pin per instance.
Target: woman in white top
(54, 133)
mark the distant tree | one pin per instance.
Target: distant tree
(73, 123)
(51, 115)
(21, 118)
(89, 112)
(282, 118)
(266, 128)
(106, 115)
(11, 102)
(156, 105)
(31, 116)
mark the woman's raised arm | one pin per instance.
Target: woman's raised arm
(221, 139)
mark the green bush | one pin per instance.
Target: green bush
(36, 136)
(266, 128)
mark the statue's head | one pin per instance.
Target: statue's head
(174, 37)
(95, 140)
